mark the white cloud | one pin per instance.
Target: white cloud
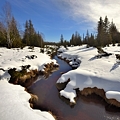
(91, 10)
(82, 11)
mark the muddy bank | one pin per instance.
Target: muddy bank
(61, 86)
(26, 79)
(89, 91)
(101, 93)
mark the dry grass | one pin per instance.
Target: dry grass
(33, 100)
(90, 91)
(101, 93)
(49, 68)
(113, 102)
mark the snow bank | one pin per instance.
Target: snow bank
(103, 73)
(62, 49)
(13, 99)
(4, 75)
(14, 104)
(113, 94)
(73, 58)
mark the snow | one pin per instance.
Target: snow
(113, 94)
(62, 49)
(4, 75)
(91, 72)
(17, 57)
(13, 98)
(14, 104)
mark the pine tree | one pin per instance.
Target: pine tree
(31, 37)
(91, 40)
(114, 32)
(72, 39)
(26, 34)
(39, 40)
(87, 35)
(100, 33)
(76, 39)
(61, 39)
(107, 35)
(31, 33)
(104, 36)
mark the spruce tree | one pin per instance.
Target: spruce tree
(100, 33)
(31, 37)
(76, 39)
(26, 40)
(61, 39)
(31, 33)
(72, 39)
(114, 32)
(107, 35)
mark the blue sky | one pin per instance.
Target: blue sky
(56, 17)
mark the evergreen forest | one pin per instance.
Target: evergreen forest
(11, 36)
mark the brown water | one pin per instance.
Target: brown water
(87, 108)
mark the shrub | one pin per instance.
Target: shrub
(31, 47)
(117, 56)
(87, 46)
(41, 50)
(118, 44)
(48, 52)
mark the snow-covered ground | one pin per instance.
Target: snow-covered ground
(14, 104)
(10, 58)
(15, 58)
(103, 73)
(13, 99)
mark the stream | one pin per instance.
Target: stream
(87, 108)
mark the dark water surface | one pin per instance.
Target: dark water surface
(87, 108)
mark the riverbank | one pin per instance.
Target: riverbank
(47, 93)
(91, 107)
(22, 66)
(99, 75)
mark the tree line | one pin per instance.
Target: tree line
(107, 33)
(10, 35)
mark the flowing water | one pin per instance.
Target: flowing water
(87, 108)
